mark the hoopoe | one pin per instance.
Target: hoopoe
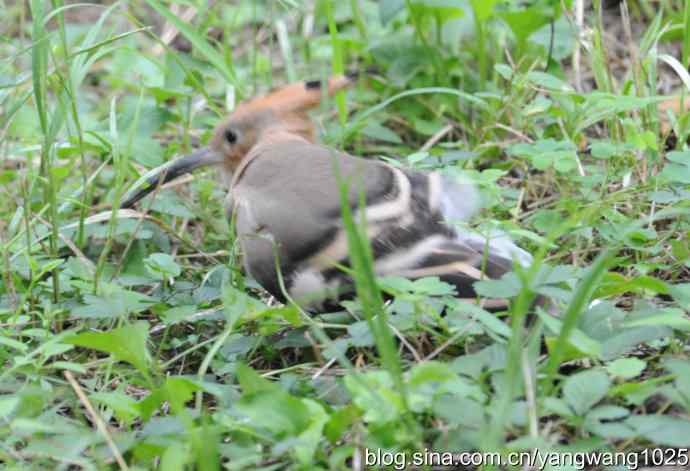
(284, 195)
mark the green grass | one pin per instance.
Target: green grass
(146, 318)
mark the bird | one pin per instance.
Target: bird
(283, 195)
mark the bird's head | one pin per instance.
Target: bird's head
(281, 114)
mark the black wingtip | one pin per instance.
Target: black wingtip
(353, 74)
(358, 73)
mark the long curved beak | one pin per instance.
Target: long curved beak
(169, 171)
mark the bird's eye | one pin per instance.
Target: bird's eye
(230, 136)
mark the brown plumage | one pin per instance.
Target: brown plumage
(284, 194)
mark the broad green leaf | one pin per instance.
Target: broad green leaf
(669, 317)
(577, 339)
(424, 287)
(483, 9)
(549, 82)
(169, 202)
(507, 286)
(431, 379)
(440, 10)
(175, 457)
(176, 391)
(459, 410)
(377, 131)
(608, 413)
(681, 369)
(547, 153)
(570, 351)
(251, 382)
(524, 22)
(389, 8)
(583, 390)
(556, 274)
(681, 293)
(662, 429)
(78, 269)
(376, 397)
(680, 249)
(179, 390)
(626, 368)
(626, 340)
(581, 296)
(679, 157)
(162, 266)
(124, 406)
(430, 372)
(601, 105)
(14, 344)
(616, 283)
(607, 149)
(504, 70)
(275, 410)
(559, 39)
(361, 334)
(126, 344)
(8, 404)
(309, 439)
(339, 421)
(113, 302)
(606, 421)
(239, 305)
(555, 405)
(676, 173)
(487, 319)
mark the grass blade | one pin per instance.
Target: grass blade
(338, 66)
(581, 297)
(214, 57)
(365, 283)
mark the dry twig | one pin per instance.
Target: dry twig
(96, 419)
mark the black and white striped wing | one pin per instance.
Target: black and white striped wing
(408, 223)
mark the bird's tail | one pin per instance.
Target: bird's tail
(460, 200)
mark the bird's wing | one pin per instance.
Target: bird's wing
(461, 265)
(289, 194)
(287, 202)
